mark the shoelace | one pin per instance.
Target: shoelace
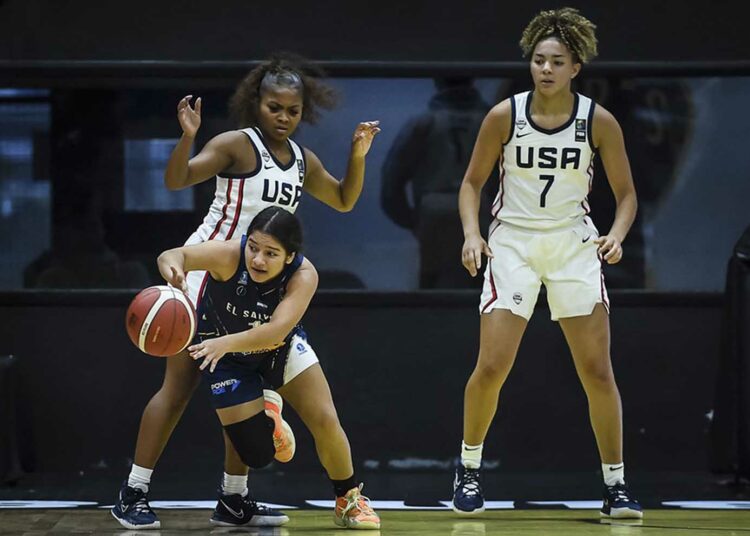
(470, 482)
(620, 494)
(358, 501)
(141, 504)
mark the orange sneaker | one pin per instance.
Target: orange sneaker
(353, 511)
(283, 437)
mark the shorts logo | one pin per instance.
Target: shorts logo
(517, 298)
(219, 388)
(301, 348)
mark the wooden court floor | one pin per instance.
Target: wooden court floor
(415, 522)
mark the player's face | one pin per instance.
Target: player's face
(280, 112)
(552, 67)
(265, 257)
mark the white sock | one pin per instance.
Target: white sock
(614, 473)
(471, 455)
(140, 477)
(234, 485)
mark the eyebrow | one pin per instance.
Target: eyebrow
(538, 55)
(274, 248)
(295, 105)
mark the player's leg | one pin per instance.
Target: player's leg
(508, 298)
(159, 419)
(248, 435)
(500, 335)
(578, 298)
(310, 396)
(589, 340)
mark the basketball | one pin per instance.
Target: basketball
(160, 321)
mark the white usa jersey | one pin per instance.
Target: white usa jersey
(545, 174)
(240, 196)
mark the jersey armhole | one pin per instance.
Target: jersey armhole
(249, 174)
(512, 120)
(590, 127)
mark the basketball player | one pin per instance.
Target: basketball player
(255, 167)
(258, 289)
(545, 140)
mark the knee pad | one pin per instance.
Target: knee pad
(253, 440)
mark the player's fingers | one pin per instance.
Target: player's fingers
(599, 240)
(487, 251)
(198, 104)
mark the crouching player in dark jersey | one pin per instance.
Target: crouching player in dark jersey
(248, 331)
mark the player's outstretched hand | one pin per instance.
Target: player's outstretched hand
(609, 249)
(471, 254)
(189, 117)
(362, 138)
(210, 350)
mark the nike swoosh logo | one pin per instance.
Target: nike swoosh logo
(238, 515)
(519, 135)
(267, 167)
(615, 468)
(585, 239)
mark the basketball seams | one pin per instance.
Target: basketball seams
(152, 312)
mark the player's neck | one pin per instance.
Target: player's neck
(559, 103)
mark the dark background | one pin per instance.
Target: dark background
(470, 30)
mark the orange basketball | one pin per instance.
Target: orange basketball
(161, 321)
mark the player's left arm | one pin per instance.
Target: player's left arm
(288, 313)
(341, 195)
(610, 142)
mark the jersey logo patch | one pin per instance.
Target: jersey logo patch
(301, 170)
(521, 124)
(264, 154)
(580, 130)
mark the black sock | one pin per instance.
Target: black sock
(340, 487)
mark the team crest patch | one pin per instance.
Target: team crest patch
(264, 154)
(517, 298)
(521, 124)
(301, 169)
(243, 278)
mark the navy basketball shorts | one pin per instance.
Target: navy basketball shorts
(240, 379)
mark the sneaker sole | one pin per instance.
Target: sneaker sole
(366, 525)
(465, 513)
(152, 526)
(255, 521)
(623, 513)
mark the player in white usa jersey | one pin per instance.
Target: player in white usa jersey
(545, 141)
(257, 167)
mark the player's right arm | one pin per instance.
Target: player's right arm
(218, 257)
(217, 155)
(493, 132)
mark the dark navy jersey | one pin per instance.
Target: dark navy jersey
(239, 304)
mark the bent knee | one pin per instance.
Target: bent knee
(324, 422)
(493, 370)
(253, 440)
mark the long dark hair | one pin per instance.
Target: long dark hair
(281, 225)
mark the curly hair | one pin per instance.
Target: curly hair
(289, 71)
(573, 29)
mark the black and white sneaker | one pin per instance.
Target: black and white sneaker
(235, 510)
(132, 510)
(619, 503)
(467, 491)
